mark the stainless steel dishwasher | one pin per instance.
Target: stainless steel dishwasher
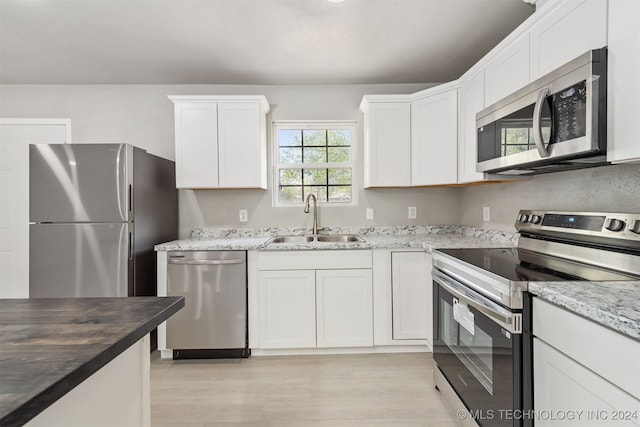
(213, 323)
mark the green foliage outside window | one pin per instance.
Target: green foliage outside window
(315, 161)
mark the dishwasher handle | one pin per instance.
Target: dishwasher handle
(205, 261)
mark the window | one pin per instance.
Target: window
(314, 158)
(517, 135)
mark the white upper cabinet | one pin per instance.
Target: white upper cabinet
(221, 141)
(471, 101)
(623, 90)
(242, 145)
(196, 144)
(434, 137)
(387, 142)
(569, 29)
(508, 70)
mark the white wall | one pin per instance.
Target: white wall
(143, 116)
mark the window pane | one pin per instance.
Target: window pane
(319, 190)
(315, 137)
(340, 176)
(339, 137)
(287, 137)
(290, 176)
(339, 154)
(290, 155)
(513, 149)
(340, 194)
(315, 155)
(315, 176)
(291, 194)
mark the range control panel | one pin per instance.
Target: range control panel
(606, 224)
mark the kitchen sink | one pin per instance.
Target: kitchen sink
(342, 238)
(329, 238)
(292, 239)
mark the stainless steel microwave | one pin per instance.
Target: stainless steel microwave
(557, 122)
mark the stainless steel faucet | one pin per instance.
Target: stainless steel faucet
(315, 211)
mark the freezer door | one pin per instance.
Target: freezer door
(80, 182)
(79, 260)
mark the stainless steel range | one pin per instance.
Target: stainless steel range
(482, 317)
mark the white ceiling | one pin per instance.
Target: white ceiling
(248, 41)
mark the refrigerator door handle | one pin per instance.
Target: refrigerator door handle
(130, 198)
(130, 249)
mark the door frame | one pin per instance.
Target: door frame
(66, 122)
(36, 121)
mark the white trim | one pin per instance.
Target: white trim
(315, 124)
(36, 121)
(222, 98)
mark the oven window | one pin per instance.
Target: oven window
(475, 350)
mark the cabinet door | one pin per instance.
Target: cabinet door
(471, 102)
(387, 145)
(434, 139)
(561, 384)
(411, 295)
(571, 29)
(623, 90)
(508, 71)
(287, 309)
(344, 308)
(196, 144)
(241, 145)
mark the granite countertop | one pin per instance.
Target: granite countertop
(422, 237)
(49, 346)
(612, 304)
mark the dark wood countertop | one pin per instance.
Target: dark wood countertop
(49, 346)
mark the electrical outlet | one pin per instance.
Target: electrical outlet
(412, 212)
(486, 214)
(243, 215)
(369, 213)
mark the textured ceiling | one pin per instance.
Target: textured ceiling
(248, 41)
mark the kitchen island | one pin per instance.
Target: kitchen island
(77, 357)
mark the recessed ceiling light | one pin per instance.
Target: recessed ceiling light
(336, 1)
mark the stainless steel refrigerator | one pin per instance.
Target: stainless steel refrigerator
(96, 212)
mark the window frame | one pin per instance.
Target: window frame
(352, 125)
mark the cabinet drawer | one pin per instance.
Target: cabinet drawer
(606, 352)
(314, 260)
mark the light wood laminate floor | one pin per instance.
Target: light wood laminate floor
(337, 390)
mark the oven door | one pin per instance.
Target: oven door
(477, 345)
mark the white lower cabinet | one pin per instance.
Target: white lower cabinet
(326, 303)
(563, 386)
(411, 295)
(344, 308)
(287, 315)
(584, 370)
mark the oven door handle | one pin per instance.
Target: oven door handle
(512, 322)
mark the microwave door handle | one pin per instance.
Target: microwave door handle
(537, 122)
